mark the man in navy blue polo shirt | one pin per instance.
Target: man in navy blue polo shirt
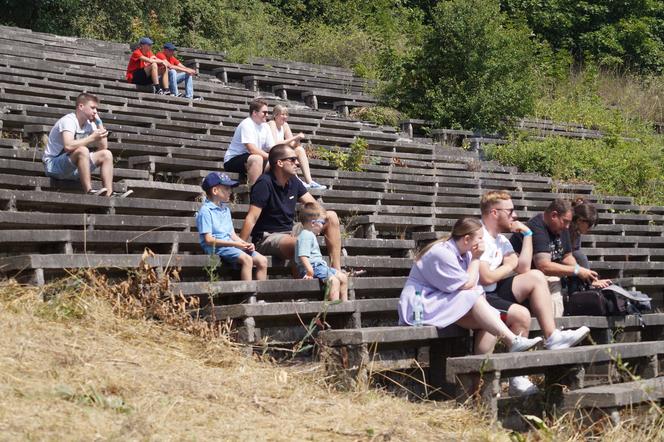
(274, 196)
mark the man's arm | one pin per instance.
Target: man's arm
(568, 267)
(182, 68)
(255, 150)
(250, 221)
(71, 144)
(525, 258)
(488, 276)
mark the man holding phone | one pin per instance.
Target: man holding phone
(67, 155)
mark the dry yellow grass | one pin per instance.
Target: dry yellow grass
(70, 369)
(77, 368)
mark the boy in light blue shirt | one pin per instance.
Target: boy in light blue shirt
(216, 232)
(309, 260)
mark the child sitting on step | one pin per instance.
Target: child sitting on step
(215, 229)
(309, 260)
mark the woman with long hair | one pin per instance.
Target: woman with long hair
(446, 273)
(281, 134)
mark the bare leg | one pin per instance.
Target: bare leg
(246, 265)
(518, 319)
(81, 157)
(152, 72)
(104, 160)
(532, 286)
(333, 294)
(483, 317)
(163, 73)
(304, 163)
(484, 342)
(343, 286)
(287, 247)
(332, 234)
(254, 168)
(261, 267)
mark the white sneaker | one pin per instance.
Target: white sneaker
(314, 185)
(522, 344)
(521, 386)
(566, 338)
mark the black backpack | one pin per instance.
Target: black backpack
(610, 301)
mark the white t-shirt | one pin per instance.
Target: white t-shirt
(280, 135)
(248, 132)
(495, 249)
(55, 144)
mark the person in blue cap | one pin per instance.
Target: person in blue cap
(143, 67)
(216, 233)
(177, 72)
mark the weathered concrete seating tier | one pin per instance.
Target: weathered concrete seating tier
(561, 368)
(608, 399)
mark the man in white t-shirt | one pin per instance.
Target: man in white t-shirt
(511, 286)
(252, 140)
(67, 155)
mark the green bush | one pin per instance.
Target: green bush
(353, 159)
(474, 69)
(383, 116)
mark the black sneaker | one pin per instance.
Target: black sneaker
(159, 91)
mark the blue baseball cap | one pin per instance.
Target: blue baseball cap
(170, 46)
(145, 41)
(217, 178)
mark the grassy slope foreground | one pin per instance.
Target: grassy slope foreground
(71, 369)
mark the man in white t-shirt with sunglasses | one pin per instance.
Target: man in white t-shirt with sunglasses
(512, 287)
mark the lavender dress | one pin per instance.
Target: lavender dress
(439, 274)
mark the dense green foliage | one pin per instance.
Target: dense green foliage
(614, 34)
(474, 68)
(382, 116)
(629, 160)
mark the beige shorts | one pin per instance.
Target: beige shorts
(269, 245)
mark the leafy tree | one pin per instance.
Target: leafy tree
(474, 68)
(616, 34)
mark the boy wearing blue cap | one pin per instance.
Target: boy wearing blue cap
(215, 229)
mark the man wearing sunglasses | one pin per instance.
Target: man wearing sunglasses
(248, 152)
(269, 221)
(512, 287)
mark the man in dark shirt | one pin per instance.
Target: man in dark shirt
(274, 196)
(552, 248)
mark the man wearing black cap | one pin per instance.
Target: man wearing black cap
(143, 67)
(177, 72)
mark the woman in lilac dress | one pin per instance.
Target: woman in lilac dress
(447, 273)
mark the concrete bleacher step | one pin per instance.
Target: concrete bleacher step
(609, 399)
(561, 368)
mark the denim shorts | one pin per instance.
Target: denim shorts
(62, 168)
(230, 255)
(321, 271)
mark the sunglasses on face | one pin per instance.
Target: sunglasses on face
(318, 221)
(263, 112)
(291, 159)
(509, 211)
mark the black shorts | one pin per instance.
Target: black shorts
(502, 298)
(238, 164)
(140, 77)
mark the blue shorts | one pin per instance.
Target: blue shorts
(321, 271)
(62, 168)
(230, 255)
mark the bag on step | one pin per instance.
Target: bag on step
(610, 301)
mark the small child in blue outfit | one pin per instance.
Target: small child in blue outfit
(309, 260)
(215, 229)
